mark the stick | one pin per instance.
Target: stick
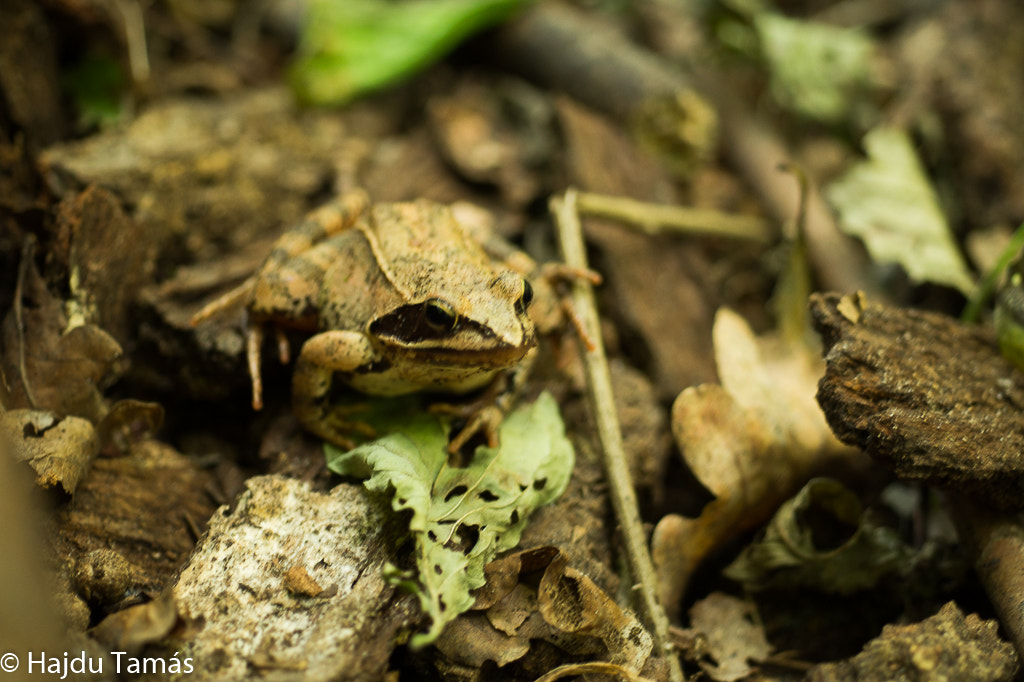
(656, 218)
(996, 541)
(620, 482)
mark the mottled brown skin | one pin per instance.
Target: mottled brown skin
(400, 299)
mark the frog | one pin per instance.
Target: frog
(396, 298)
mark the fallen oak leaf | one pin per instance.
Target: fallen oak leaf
(752, 441)
(733, 636)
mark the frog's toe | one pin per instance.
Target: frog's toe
(485, 421)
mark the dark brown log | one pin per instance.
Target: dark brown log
(925, 395)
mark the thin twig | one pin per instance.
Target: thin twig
(26, 258)
(596, 667)
(135, 38)
(656, 218)
(620, 482)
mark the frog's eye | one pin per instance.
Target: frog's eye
(439, 314)
(527, 298)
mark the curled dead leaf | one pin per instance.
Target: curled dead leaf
(131, 629)
(822, 539)
(59, 450)
(565, 608)
(572, 603)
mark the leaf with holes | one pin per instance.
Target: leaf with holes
(463, 516)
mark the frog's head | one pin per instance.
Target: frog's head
(469, 321)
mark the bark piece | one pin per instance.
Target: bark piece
(141, 506)
(925, 395)
(235, 585)
(947, 646)
(107, 255)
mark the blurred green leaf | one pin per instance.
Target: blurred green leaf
(350, 47)
(462, 516)
(888, 202)
(816, 70)
(96, 85)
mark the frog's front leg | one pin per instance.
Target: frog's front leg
(322, 356)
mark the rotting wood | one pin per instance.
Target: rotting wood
(924, 394)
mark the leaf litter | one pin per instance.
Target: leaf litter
(122, 433)
(752, 441)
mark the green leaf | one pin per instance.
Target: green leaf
(97, 86)
(463, 516)
(350, 47)
(888, 202)
(816, 69)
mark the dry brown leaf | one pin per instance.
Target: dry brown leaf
(128, 422)
(499, 135)
(472, 641)
(733, 636)
(107, 256)
(299, 582)
(572, 603)
(131, 629)
(59, 450)
(566, 609)
(753, 441)
(65, 369)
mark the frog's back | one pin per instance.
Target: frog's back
(424, 230)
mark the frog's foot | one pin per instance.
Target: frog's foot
(485, 420)
(321, 356)
(335, 427)
(552, 308)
